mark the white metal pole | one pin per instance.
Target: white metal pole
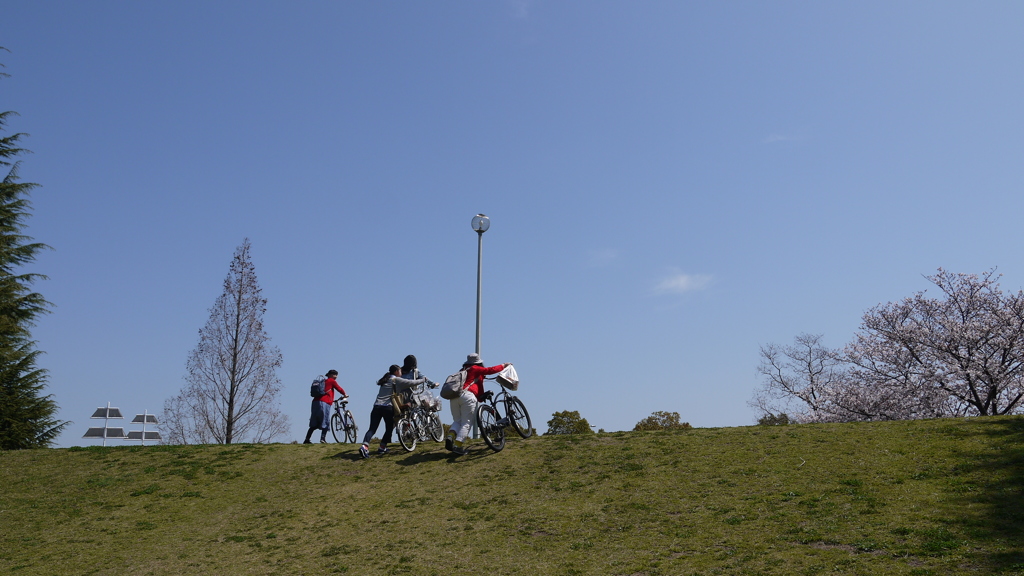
(145, 416)
(106, 415)
(479, 282)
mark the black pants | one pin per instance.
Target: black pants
(386, 413)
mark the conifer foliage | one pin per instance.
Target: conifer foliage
(27, 416)
(232, 386)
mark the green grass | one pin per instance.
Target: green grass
(929, 497)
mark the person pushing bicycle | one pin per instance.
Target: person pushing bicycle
(464, 407)
(320, 410)
(410, 371)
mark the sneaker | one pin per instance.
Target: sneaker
(323, 440)
(459, 450)
(503, 422)
(306, 441)
(449, 442)
(382, 451)
(364, 451)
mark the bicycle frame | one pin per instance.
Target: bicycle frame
(518, 418)
(415, 425)
(492, 424)
(502, 398)
(499, 402)
(349, 430)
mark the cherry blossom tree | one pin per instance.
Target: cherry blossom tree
(961, 353)
(958, 353)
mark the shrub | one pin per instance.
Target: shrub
(567, 422)
(780, 419)
(661, 421)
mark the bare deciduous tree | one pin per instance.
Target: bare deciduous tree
(799, 380)
(232, 386)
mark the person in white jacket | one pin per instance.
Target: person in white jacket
(464, 406)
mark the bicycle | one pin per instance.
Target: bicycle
(492, 425)
(420, 421)
(343, 423)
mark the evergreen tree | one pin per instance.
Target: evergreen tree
(26, 414)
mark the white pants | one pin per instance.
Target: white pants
(463, 412)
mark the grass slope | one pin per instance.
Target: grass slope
(925, 497)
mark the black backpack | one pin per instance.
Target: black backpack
(319, 387)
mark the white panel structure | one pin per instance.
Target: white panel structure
(106, 413)
(143, 435)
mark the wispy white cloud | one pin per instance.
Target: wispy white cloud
(680, 283)
(520, 9)
(602, 258)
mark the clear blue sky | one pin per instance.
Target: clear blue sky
(671, 185)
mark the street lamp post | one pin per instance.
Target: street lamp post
(480, 223)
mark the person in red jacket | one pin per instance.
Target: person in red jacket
(320, 411)
(464, 407)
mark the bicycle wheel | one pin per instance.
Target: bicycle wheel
(406, 434)
(337, 428)
(435, 427)
(519, 417)
(352, 431)
(487, 422)
(422, 428)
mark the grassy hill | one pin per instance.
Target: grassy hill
(926, 497)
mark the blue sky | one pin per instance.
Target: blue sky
(671, 185)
